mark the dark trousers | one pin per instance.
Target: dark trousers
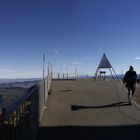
(131, 91)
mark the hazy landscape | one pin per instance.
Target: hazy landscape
(12, 89)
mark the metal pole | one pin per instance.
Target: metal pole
(75, 73)
(51, 73)
(43, 65)
(96, 73)
(44, 75)
(67, 73)
(111, 73)
(58, 75)
(115, 73)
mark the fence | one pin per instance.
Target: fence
(22, 120)
(64, 75)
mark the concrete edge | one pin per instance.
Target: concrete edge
(135, 103)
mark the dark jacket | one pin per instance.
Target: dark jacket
(130, 78)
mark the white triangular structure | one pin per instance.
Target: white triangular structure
(105, 64)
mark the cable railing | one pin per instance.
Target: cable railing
(64, 76)
(21, 121)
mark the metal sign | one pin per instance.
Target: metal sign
(104, 63)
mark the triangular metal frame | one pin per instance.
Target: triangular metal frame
(105, 64)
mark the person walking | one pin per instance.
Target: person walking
(130, 80)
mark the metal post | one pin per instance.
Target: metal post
(111, 73)
(75, 73)
(43, 65)
(115, 73)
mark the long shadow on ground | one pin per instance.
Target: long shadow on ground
(77, 107)
(90, 133)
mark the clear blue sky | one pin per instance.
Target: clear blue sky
(72, 33)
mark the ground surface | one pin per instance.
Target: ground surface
(87, 109)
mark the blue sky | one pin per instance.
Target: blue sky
(72, 33)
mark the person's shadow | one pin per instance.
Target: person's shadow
(78, 107)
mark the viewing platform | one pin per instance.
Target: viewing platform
(90, 109)
(72, 109)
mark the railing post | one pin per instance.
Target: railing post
(58, 76)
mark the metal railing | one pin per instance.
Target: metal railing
(64, 75)
(22, 120)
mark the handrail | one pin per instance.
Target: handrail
(21, 100)
(17, 123)
(24, 115)
(21, 120)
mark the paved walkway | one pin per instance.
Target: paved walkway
(137, 95)
(87, 109)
